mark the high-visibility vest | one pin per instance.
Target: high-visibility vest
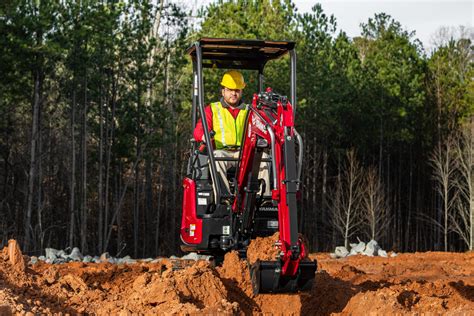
(228, 130)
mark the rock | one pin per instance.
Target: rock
(126, 260)
(51, 275)
(51, 253)
(42, 258)
(87, 259)
(382, 253)
(74, 282)
(393, 254)
(112, 260)
(33, 260)
(59, 261)
(173, 257)
(62, 254)
(104, 257)
(358, 248)
(194, 256)
(157, 260)
(15, 256)
(148, 260)
(352, 253)
(191, 256)
(333, 255)
(372, 248)
(96, 259)
(341, 252)
(76, 255)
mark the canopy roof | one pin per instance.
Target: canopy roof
(239, 53)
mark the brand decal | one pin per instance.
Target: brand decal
(258, 123)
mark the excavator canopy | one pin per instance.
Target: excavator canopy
(239, 53)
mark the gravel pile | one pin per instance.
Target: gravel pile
(370, 249)
(55, 256)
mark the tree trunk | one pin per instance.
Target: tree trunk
(410, 202)
(159, 187)
(381, 147)
(158, 221)
(471, 195)
(110, 124)
(148, 204)
(136, 204)
(446, 202)
(314, 217)
(306, 194)
(136, 210)
(38, 77)
(84, 210)
(73, 172)
(39, 191)
(100, 240)
(471, 223)
(324, 208)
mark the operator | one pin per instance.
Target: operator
(227, 119)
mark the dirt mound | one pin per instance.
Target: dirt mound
(15, 256)
(437, 283)
(191, 290)
(263, 248)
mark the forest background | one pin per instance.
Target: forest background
(95, 124)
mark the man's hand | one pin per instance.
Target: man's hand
(203, 146)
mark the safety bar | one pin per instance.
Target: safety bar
(274, 168)
(293, 80)
(272, 141)
(260, 79)
(207, 137)
(237, 159)
(299, 139)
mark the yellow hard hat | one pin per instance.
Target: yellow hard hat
(233, 79)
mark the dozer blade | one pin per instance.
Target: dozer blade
(266, 277)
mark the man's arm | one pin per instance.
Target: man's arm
(199, 130)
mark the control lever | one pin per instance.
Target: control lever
(203, 146)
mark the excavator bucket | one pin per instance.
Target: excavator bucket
(267, 278)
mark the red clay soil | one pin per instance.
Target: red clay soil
(417, 283)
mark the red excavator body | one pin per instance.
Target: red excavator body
(215, 221)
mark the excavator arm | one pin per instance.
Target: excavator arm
(270, 127)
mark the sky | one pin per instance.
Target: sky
(425, 17)
(422, 16)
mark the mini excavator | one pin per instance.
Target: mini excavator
(215, 221)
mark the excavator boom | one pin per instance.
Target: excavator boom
(270, 127)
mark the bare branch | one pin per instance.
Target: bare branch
(375, 206)
(345, 198)
(443, 161)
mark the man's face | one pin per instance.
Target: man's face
(232, 96)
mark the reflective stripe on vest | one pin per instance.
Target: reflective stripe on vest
(228, 130)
